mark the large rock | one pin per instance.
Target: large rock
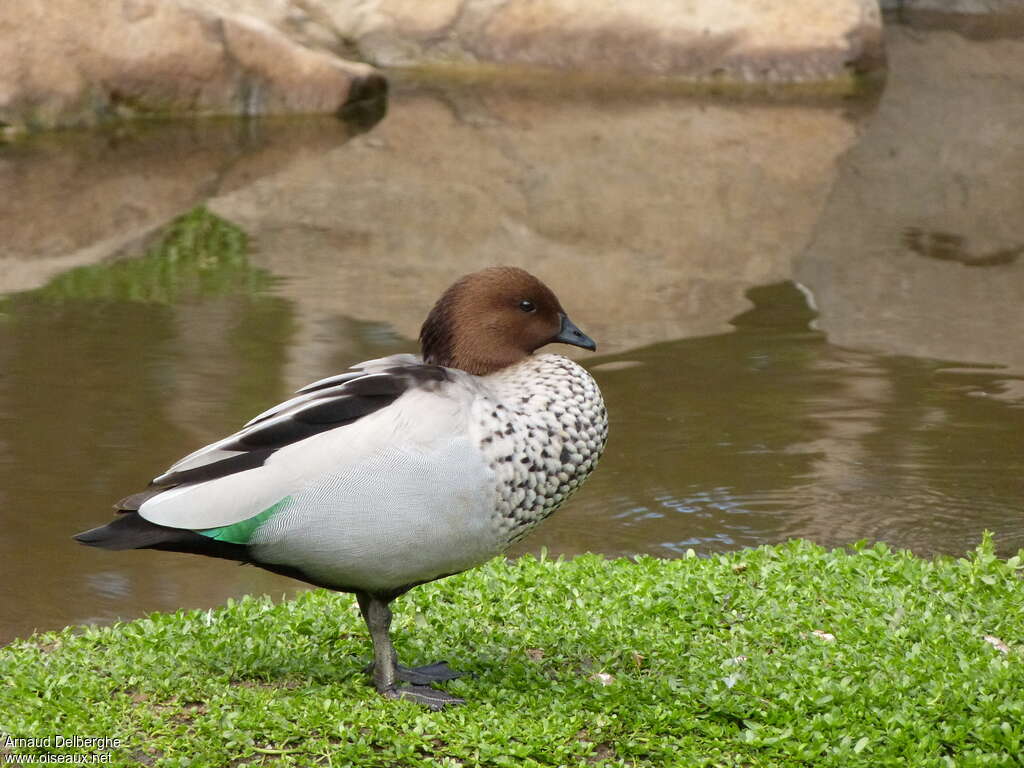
(720, 41)
(956, 6)
(76, 61)
(976, 19)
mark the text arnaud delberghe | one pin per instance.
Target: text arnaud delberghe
(60, 742)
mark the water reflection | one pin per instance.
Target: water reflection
(770, 432)
(918, 248)
(94, 398)
(75, 198)
(652, 215)
(718, 442)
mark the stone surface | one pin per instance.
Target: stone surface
(692, 40)
(72, 61)
(956, 6)
(974, 19)
(737, 39)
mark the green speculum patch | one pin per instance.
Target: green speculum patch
(242, 531)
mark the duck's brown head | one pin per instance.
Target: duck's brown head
(493, 318)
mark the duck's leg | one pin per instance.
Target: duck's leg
(386, 671)
(438, 672)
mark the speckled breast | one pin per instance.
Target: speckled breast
(542, 428)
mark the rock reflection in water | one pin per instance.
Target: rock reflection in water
(919, 248)
(652, 215)
(72, 199)
(770, 433)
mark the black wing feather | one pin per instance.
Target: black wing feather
(357, 396)
(343, 410)
(248, 460)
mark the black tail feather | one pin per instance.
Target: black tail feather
(136, 500)
(130, 531)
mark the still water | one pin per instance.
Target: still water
(809, 316)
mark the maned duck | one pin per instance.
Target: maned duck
(401, 471)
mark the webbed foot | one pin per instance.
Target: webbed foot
(424, 695)
(439, 672)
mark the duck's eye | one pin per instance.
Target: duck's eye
(527, 306)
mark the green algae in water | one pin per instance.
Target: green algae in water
(197, 254)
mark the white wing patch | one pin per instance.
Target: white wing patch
(412, 422)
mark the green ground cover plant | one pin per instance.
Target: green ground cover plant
(787, 655)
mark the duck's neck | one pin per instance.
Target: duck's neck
(444, 341)
(480, 363)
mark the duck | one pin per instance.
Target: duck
(399, 471)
